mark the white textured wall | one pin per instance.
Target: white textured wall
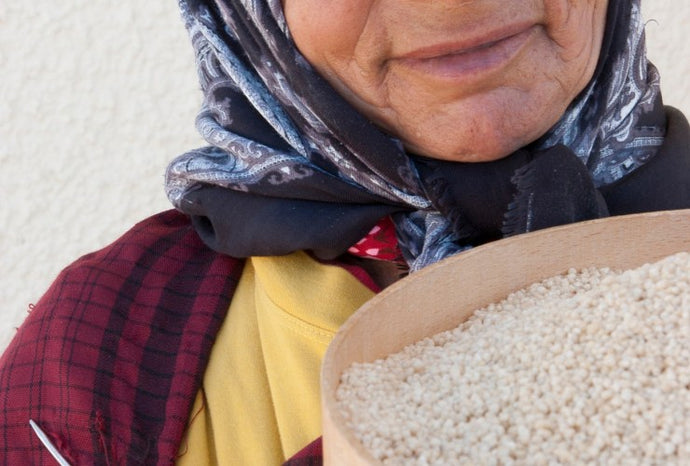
(96, 96)
(669, 48)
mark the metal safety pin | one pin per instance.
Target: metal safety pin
(48, 444)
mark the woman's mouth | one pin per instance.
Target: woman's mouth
(473, 59)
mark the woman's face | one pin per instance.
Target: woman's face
(464, 80)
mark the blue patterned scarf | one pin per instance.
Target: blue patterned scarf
(290, 165)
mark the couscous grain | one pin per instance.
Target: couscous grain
(592, 367)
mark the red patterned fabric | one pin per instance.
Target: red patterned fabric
(109, 361)
(380, 243)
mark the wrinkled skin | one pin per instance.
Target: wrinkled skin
(458, 80)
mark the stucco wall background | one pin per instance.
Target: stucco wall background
(96, 97)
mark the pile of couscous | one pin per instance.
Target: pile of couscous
(592, 366)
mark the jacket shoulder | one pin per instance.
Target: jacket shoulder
(109, 360)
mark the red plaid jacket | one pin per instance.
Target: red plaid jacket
(109, 361)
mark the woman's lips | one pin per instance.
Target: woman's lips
(453, 61)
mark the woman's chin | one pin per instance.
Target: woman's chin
(467, 150)
(482, 127)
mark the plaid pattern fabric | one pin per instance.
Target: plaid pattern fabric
(311, 455)
(109, 361)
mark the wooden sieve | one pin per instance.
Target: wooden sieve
(445, 294)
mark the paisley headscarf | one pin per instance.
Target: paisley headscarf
(291, 165)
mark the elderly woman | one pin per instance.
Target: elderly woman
(351, 142)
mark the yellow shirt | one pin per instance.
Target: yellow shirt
(259, 401)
